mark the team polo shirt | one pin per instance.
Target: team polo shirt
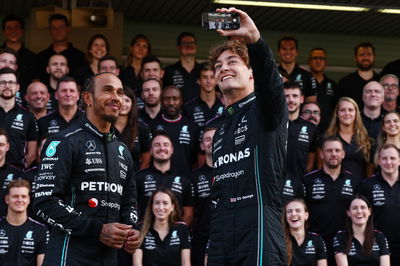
(385, 202)
(150, 179)
(355, 255)
(292, 188)
(166, 252)
(326, 98)
(21, 127)
(307, 82)
(309, 252)
(202, 179)
(373, 126)
(327, 200)
(8, 173)
(185, 138)
(198, 111)
(53, 123)
(353, 161)
(20, 245)
(302, 139)
(177, 75)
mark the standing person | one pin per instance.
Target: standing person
(202, 179)
(304, 248)
(383, 191)
(85, 188)
(18, 122)
(183, 74)
(359, 243)
(249, 152)
(390, 130)
(23, 240)
(151, 95)
(347, 124)
(390, 84)
(37, 97)
(164, 241)
(140, 47)
(373, 96)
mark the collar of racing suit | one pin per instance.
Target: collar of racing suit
(234, 108)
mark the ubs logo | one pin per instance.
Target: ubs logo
(91, 145)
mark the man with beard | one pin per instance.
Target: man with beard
(352, 85)
(37, 97)
(161, 174)
(372, 117)
(108, 64)
(85, 187)
(18, 122)
(151, 95)
(327, 192)
(311, 112)
(56, 68)
(183, 132)
(390, 84)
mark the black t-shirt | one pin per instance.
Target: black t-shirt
(385, 200)
(129, 78)
(52, 103)
(198, 111)
(202, 180)
(352, 86)
(302, 139)
(150, 179)
(327, 200)
(373, 126)
(178, 76)
(355, 257)
(21, 127)
(392, 67)
(167, 252)
(304, 78)
(53, 123)
(144, 117)
(84, 72)
(20, 245)
(326, 98)
(353, 161)
(185, 138)
(309, 252)
(292, 188)
(8, 173)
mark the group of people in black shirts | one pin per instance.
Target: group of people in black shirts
(348, 131)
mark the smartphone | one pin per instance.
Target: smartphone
(223, 21)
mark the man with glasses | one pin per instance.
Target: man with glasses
(311, 112)
(325, 86)
(183, 74)
(19, 123)
(390, 84)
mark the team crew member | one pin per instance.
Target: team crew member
(206, 106)
(328, 191)
(302, 140)
(164, 241)
(18, 122)
(202, 181)
(161, 174)
(37, 97)
(359, 243)
(151, 96)
(183, 132)
(8, 172)
(383, 191)
(67, 96)
(287, 50)
(85, 187)
(23, 240)
(303, 248)
(372, 116)
(248, 152)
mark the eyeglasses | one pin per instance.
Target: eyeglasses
(309, 112)
(10, 83)
(317, 58)
(386, 85)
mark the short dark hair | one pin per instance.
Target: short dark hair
(235, 46)
(12, 18)
(184, 34)
(292, 85)
(329, 139)
(58, 16)
(150, 59)
(6, 50)
(4, 133)
(161, 133)
(91, 82)
(309, 102)
(172, 87)
(149, 79)
(98, 36)
(105, 58)
(139, 36)
(318, 49)
(66, 79)
(7, 70)
(205, 67)
(364, 45)
(287, 38)
(18, 183)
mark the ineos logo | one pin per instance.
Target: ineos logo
(91, 145)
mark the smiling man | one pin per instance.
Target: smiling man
(85, 186)
(249, 151)
(372, 116)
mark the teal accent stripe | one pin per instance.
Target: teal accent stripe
(260, 209)
(67, 236)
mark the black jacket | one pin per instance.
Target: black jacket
(85, 180)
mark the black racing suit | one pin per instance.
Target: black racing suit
(249, 154)
(85, 180)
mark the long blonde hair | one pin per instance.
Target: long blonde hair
(359, 132)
